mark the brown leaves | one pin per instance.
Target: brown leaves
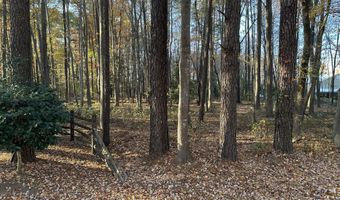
(69, 171)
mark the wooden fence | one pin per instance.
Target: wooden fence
(97, 145)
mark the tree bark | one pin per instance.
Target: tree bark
(21, 54)
(81, 53)
(287, 61)
(43, 48)
(307, 37)
(86, 52)
(184, 75)
(204, 67)
(66, 60)
(229, 73)
(105, 71)
(318, 51)
(334, 64)
(4, 38)
(269, 56)
(258, 54)
(159, 136)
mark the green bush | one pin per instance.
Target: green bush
(29, 116)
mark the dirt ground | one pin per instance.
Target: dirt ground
(68, 170)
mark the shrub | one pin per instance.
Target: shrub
(29, 116)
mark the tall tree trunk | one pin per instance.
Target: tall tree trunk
(258, 54)
(318, 52)
(204, 67)
(307, 37)
(53, 67)
(118, 66)
(21, 54)
(81, 53)
(184, 76)
(66, 58)
(146, 46)
(287, 84)
(70, 52)
(37, 57)
(248, 55)
(139, 68)
(86, 52)
(105, 71)
(334, 64)
(43, 47)
(4, 39)
(159, 136)
(269, 51)
(210, 75)
(229, 73)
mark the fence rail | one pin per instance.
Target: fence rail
(97, 144)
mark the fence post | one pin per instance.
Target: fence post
(93, 142)
(72, 125)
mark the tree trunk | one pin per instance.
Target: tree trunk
(21, 50)
(334, 64)
(287, 61)
(258, 54)
(248, 55)
(19, 162)
(269, 51)
(37, 57)
(105, 71)
(21, 54)
(4, 38)
(43, 48)
(204, 67)
(159, 136)
(306, 54)
(184, 75)
(81, 53)
(210, 76)
(66, 58)
(86, 52)
(70, 54)
(53, 67)
(229, 73)
(318, 51)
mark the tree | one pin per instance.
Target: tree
(159, 136)
(334, 60)
(30, 116)
(66, 57)
(307, 47)
(324, 8)
(86, 46)
(229, 73)
(184, 76)
(21, 54)
(269, 56)
(105, 71)
(4, 38)
(257, 83)
(204, 68)
(81, 52)
(43, 46)
(286, 88)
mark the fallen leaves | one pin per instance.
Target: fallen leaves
(69, 171)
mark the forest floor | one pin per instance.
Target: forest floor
(68, 170)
